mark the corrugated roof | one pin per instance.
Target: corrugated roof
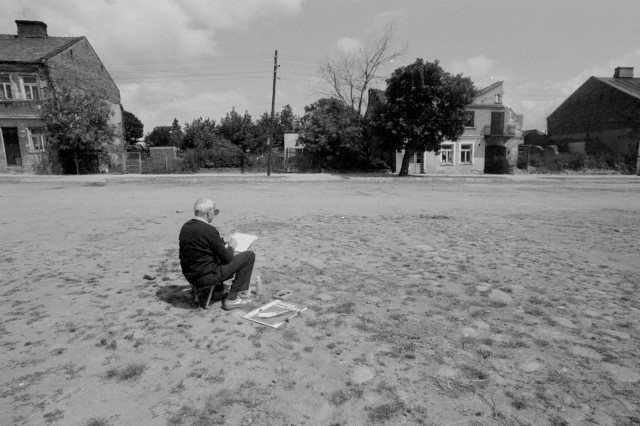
(630, 86)
(32, 50)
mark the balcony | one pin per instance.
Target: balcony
(508, 131)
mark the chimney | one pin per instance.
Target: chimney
(623, 72)
(32, 29)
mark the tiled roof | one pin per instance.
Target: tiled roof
(31, 50)
(630, 86)
(487, 89)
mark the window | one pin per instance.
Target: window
(465, 154)
(5, 87)
(469, 118)
(36, 140)
(446, 154)
(498, 98)
(30, 87)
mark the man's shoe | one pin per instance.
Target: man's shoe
(246, 295)
(238, 303)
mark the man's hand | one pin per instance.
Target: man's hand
(233, 243)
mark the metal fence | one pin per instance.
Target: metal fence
(132, 162)
(295, 160)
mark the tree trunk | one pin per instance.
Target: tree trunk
(638, 160)
(75, 160)
(404, 168)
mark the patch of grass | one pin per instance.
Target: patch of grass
(53, 416)
(338, 397)
(344, 308)
(129, 372)
(556, 420)
(535, 300)
(541, 343)
(97, 421)
(534, 310)
(475, 373)
(291, 335)
(517, 343)
(484, 353)
(384, 412)
(518, 402)
(178, 388)
(466, 341)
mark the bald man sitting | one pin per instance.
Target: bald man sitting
(207, 260)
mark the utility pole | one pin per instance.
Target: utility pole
(270, 141)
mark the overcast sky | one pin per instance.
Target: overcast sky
(199, 58)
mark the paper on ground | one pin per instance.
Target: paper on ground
(282, 311)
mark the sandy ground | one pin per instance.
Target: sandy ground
(434, 301)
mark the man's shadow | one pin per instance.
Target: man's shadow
(180, 296)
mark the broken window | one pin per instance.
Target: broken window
(30, 84)
(37, 139)
(25, 87)
(5, 87)
(446, 154)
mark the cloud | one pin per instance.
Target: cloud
(143, 40)
(348, 45)
(478, 68)
(148, 29)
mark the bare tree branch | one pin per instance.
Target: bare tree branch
(349, 76)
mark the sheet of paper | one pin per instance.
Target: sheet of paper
(274, 313)
(244, 241)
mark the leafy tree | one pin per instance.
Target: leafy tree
(236, 128)
(424, 106)
(166, 135)
(77, 123)
(176, 133)
(334, 132)
(159, 136)
(200, 133)
(349, 76)
(287, 121)
(257, 143)
(133, 127)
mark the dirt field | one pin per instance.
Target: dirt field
(431, 301)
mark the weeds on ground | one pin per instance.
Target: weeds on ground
(129, 372)
(97, 421)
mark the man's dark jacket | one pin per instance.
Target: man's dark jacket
(201, 250)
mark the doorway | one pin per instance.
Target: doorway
(11, 146)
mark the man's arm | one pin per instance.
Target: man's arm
(223, 251)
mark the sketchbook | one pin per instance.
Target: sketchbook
(274, 313)
(244, 241)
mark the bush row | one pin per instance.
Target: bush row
(550, 162)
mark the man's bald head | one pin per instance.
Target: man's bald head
(202, 206)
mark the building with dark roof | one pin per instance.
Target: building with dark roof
(602, 115)
(32, 64)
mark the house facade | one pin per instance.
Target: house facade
(32, 64)
(492, 133)
(601, 115)
(488, 124)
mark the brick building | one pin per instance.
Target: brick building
(601, 115)
(31, 64)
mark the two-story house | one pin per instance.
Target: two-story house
(492, 132)
(31, 64)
